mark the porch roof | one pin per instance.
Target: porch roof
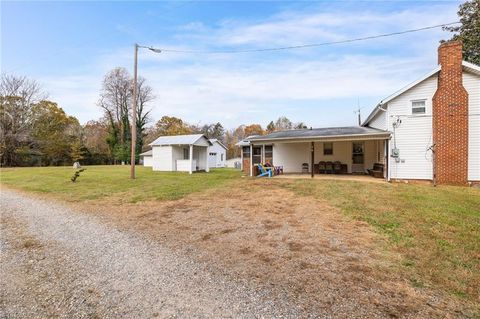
(323, 133)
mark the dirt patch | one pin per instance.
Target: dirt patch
(302, 247)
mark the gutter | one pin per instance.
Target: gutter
(308, 138)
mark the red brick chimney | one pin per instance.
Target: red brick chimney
(450, 120)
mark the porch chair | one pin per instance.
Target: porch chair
(328, 167)
(337, 167)
(265, 171)
(304, 168)
(321, 167)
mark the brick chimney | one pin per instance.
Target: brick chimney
(449, 118)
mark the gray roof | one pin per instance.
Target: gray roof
(178, 140)
(147, 153)
(214, 140)
(323, 132)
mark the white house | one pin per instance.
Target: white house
(217, 154)
(147, 158)
(429, 130)
(183, 153)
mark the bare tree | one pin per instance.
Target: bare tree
(116, 100)
(18, 95)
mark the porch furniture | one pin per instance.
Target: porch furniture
(278, 170)
(265, 171)
(321, 167)
(337, 167)
(304, 167)
(344, 169)
(377, 170)
(328, 167)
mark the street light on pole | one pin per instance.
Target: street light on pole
(134, 108)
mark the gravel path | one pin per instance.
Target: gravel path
(56, 262)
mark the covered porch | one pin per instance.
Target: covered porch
(358, 151)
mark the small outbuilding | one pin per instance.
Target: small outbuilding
(217, 154)
(147, 158)
(182, 153)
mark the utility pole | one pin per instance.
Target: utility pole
(134, 116)
(134, 108)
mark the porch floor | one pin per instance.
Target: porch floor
(349, 177)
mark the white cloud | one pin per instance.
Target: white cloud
(246, 88)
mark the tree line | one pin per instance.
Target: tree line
(35, 131)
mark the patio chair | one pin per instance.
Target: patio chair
(304, 168)
(265, 171)
(278, 170)
(337, 167)
(328, 167)
(321, 167)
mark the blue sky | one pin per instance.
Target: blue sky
(69, 46)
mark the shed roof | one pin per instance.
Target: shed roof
(324, 132)
(191, 139)
(147, 153)
(214, 140)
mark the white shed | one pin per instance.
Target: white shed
(182, 153)
(147, 158)
(217, 154)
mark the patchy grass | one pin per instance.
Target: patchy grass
(435, 229)
(101, 182)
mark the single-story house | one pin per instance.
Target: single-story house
(182, 153)
(146, 158)
(217, 154)
(429, 130)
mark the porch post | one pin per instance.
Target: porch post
(241, 158)
(251, 160)
(207, 165)
(312, 151)
(190, 157)
(263, 154)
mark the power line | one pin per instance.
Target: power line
(303, 46)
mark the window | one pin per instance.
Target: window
(257, 155)
(221, 157)
(327, 148)
(418, 107)
(269, 154)
(213, 154)
(186, 154)
(246, 151)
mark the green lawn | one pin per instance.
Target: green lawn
(113, 181)
(436, 230)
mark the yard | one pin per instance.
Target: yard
(395, 249)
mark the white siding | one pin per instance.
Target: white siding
(162, 158)
(148, 161)
(216, 161)
(379, 120)
(414, 134)
(291, 156)
(471, 83)
(177, 154)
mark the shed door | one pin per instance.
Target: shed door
(212, 159)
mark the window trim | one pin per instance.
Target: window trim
(327, 154)
(418, 107)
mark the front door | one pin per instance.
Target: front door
(358, 157)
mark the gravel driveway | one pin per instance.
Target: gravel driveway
(56, 262)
